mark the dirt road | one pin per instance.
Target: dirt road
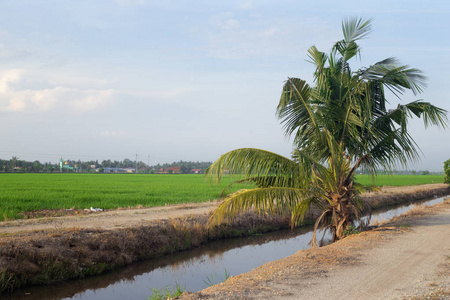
(112, 219)
(121, 218)
(408, 258)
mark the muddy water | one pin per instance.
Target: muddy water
(193, 270)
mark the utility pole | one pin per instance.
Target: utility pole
(135, 171)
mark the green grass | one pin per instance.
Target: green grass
(166, 293)
(31, 192)
(399, 180)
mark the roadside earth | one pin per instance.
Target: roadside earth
(105, 220)
(406, 258)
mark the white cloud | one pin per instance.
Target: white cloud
(45, 99)
(16, 105)
(91, 100)
(9, 77)
(22, 90)
(9, 99)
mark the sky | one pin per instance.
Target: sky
(190, 80)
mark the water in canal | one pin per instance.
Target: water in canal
(193, 270)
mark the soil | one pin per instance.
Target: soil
(105, 220)
(406, 258)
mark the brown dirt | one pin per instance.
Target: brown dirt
(112, 219)
(406, 258)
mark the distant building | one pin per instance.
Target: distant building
(173, 170)
(66, 166)
(196, 171)
(129, 170)
(113, 170)
(116, 170)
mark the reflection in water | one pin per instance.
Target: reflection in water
(191, 268)
(388, 213)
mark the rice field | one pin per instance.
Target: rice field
(399, 180)
(31, 192)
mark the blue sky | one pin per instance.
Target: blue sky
(190, 80)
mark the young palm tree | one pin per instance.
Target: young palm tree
(340, 124)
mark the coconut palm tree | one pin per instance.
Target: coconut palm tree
(339, 125)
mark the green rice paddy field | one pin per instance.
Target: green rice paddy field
(30, 192)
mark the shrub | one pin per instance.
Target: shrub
(447, 171)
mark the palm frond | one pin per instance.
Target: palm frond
(322, 224)
(255, 164)
(432, 115)
(356, 28)
(295, 109)
(395, 77)
(317, 58)
(353, 29)
(274, 200)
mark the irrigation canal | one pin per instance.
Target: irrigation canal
(193, 270)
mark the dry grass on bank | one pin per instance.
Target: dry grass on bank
(57, 255)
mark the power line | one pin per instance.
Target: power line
(62, 154)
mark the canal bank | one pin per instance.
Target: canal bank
(62, 253)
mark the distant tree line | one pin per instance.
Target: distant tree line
(401, 172)
(185, 166)
(16, 165)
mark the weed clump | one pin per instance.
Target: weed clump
(166, 293)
